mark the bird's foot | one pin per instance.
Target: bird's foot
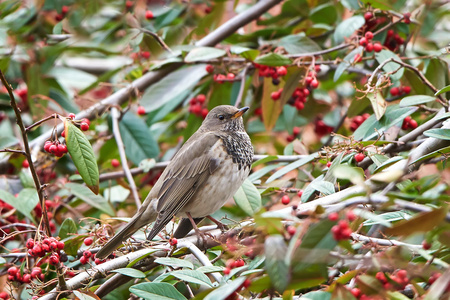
(219, 224)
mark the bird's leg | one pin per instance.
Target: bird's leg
(219, 224)
(197, 231)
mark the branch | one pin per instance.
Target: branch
(115, 115)
(27, 151)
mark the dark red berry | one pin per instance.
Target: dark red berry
(406, 89)
(173, 242)
(395, 91)
(84, 126)
(60, 245)
(369, 35)
(413, 124)
(314, 83)
(377, 47)
(281, 71)
(369, 47)
(209, 68)
(368, 15)
(291, 230)
(30, 243)
(363, 42)
(426, 245)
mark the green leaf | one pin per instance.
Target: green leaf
(298, 44)
(25, 202)
(68, 226)
(324, 14)
(316, 295)
(130, 272)
(82, 155)
(378, 104)
(248, 198)
(2, 261)
(421, 222)
(244, 52)
(438, 133)
(90, 198)
(225, 290)
(179, 82)
(355, 175)
(203, 53)
(174, 262)
(83, 296)
(264, 160)
(393, 116)
(347, 62)
(392, 66)
(443, 90)
(156, 291)
(416, 100)
(271, 110)
(137, 138)
(436, 153)
(192, 276)
(347, 27)
(275, 249)
(291, 166)
(273, 60)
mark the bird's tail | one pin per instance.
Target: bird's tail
(145, 216)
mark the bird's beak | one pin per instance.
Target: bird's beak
(240, 112)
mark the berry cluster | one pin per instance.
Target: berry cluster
(401, 90)
(55, 148)
(397, 281)
(8, 218)
(62, 15)
(274, 72)
(87, 254)
(196, 106)
(295, 133)
(48, 245)
(231, 264)
(299, 98)
(409, 123)
(321, 129)
(140, 55)
(366, 42)
(220, 78)
(311, 80)
(393, 40)
(357, 121)
(14, 274)
(342, 231)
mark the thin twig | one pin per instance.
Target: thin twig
(115, 115)
(27, 151)
(13, 151)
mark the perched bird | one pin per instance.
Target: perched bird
(206, 172)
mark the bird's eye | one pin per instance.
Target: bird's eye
(221, 117)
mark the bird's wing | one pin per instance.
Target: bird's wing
(186, 173)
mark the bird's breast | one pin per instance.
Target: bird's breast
(221, 185)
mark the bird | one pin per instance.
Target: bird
(205, 172)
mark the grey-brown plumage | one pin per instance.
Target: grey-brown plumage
(202, 176)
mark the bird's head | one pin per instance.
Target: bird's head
(224, 118)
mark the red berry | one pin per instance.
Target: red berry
(173, 242)
(328, 164)
(60, 245)
(359, 157)
(47, 146)
(406, 18)
(87, 253)
(363, 41)
(299, 105)
(231, 76)
(369, 35)
(406, 89)
(209, 68)
(88, 241)
(115, 163)
(300, 193)
(149, 14)
(285, 199)
(204, 112)
(314, 83)
(54, 259)
(390, 33)
(83, 260)
(377, 47)
(63, 133)
(72, 116)
(84, 126)
(381, 277)
(369, 47)
(413, 124)
(295, 130)
(356, 292)
(62, 148)
(368, 15)
(201, 98)
(281, 71)
(145, 54)
(129, 4)
(226, 271)
(208, 9)
(334, 216)
(5, 296)
(275, 95)
(30, 243)
(395, 91)
(26, 278)
(357, 58)
(13, 271)
(402, 274)
(141, 110)
(317, 68)
(258, 111)
(350, 215)
(434, 277)
(291, 230)
(25, 164)
(53, 246)
(426, 245)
